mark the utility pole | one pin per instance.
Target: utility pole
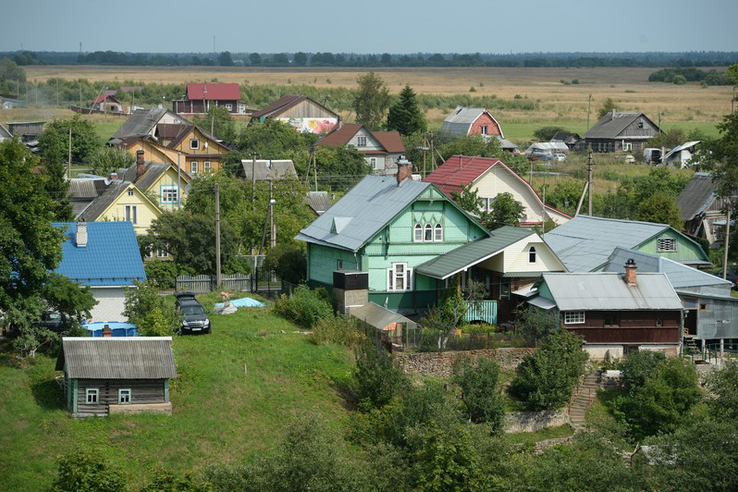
(179, 181)
(589, 182)
(589, 104)
(57, 92)
(133, 103)
(272, 226)
(69, 157)
(253, 180)
(315, 171)
(80, 93)
(217, 235)
(727, 242)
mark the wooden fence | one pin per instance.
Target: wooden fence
(200, 284)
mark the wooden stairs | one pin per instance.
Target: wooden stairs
(584, 395)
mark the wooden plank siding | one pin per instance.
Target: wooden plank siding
(634, 327)
(142, 391)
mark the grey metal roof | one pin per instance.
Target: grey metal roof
(117, 358)
(362, 212)
(140, 123)
(613, 123)
(318, 201)
(79, 206)
(378, 316)
(463, 257)
(505, 144)
(87, 188)
(680, 276)
(609, 292)
(697, 196)
(152, 172)
(585, 243)
(267, 169)
(101, 203)
(459, 121)
(681, 147)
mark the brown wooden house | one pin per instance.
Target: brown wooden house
(104, 375)
(200, 97)
(619, 132)
(614, 313)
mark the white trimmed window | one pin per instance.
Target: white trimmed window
(132, 213)
(666, 244)
(418, 233)
(194, 144)
(428, 236)
(130, 192)
(483, 130)
(438, 233)
(92, 396)
(229, 107)
(169, 194)
(194, 167)
(574, 317)
(124, 396)
(206, 166)
(399, 278)
(373, 162)
(532, 254)
(161, 253)
(361, 141)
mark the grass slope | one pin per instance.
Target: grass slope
(236, 392)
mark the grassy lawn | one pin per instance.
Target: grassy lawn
(541, 435)
(236, 392)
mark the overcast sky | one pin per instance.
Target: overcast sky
(376, 26)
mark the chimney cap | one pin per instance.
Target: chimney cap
(139, 151)
(630, 262)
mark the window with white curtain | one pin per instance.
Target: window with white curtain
(438, 233)
(418, 233)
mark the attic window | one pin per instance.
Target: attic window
(532, 254)
(428, 233)
(640, 125)
(666, 244)
(130, 192)
(194, 144)
(483, 130)
(361, 141)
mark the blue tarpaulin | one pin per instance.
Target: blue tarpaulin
(243, 302)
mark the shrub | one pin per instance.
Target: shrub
(545, 380)
(169, 481)
(152, 314)
(638, 366)
(83, 471)
(305, 307)
(376, 378)
(446, 460)
(480, 391)
(288, 261)
(545, 133)
(723, 385)
(341, 330)
(679, 80)
(107, 159)
(534, 324)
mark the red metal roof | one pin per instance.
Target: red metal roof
(108, 94)
(340, 136)
(392, 141)
(213, 92)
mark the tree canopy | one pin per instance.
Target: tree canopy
(405, 115)
(371, 101)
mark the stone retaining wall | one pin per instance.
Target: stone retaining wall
(439, 364)
(535, 421)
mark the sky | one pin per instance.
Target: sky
(376, 26)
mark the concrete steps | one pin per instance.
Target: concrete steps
(582, 398)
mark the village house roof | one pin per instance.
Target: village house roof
(318, 201)
(362, 212)
(110, 257)
(679, 148)
(84, 191)
(267, 169)
(461, 119)
(680, 276)
(390, 141)
(697, 196)
(562, 136)
(584, 243)
(117, 358)
(280, 105)
(99, 205)
(470, 254)
(152, 172)
(609, 292)
(213, 92)
(613, 124)
(140, 123)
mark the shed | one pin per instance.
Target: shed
(104, 375)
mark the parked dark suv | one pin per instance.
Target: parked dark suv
(51, 320)
(194, 317)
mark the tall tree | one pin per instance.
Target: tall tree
(607, 106)
(405, 116)
(371, 101)
(505, 210)
(219, 120)
(225, 60)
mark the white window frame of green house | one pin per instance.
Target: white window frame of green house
(428, 233)
(574, 317)
(92, 394)
(418, 233)
(361, 141)
(438, 233)
(399, 272)
(193, 167)
(132, 214)
(168, 194)
(125, 396)
(666, 244)
(206, 166)
(194, 144)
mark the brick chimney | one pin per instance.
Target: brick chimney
(140, 166)
(113, 175)
(630, 272)
(404, 169)
(107, 332)
(81, 236)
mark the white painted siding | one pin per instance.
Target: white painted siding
(371, 143)
(516, 257)
(110, 304)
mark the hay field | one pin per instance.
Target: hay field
(687, 106)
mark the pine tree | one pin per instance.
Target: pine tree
(405, 116)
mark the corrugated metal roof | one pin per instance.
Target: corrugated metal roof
(585, 243)
(613, 123)
(211, 91)
(378, 316)
(318, 201)
(681, 147)
(140, 123)
(461, 119)
(552, 146)
(370, 205)
(609, 292)
(697, 196)
(111, 257)
(463, 257)
(267, 169)
(117, 358)
(87, 188)
(391, 141)
(680, 276)
(101, 203)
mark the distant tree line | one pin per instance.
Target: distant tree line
(682, 75)
(329, 59)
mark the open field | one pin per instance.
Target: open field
(685, 106)
(237, 391)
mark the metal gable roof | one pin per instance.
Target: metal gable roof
(267, 169)
(697, 196)
(370, 205)
(609, 292)
(111, 257)
(100, 204)
(585, 243)
(448, 264)
(679, 275)
(679, 148)
(212, 91)
(318, 201)
(459, 121)
(141, 122)
(613, 123)
(117, 358)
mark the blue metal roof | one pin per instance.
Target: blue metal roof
(111, 256)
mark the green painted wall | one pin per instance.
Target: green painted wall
(323, 261)
(686, 248)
